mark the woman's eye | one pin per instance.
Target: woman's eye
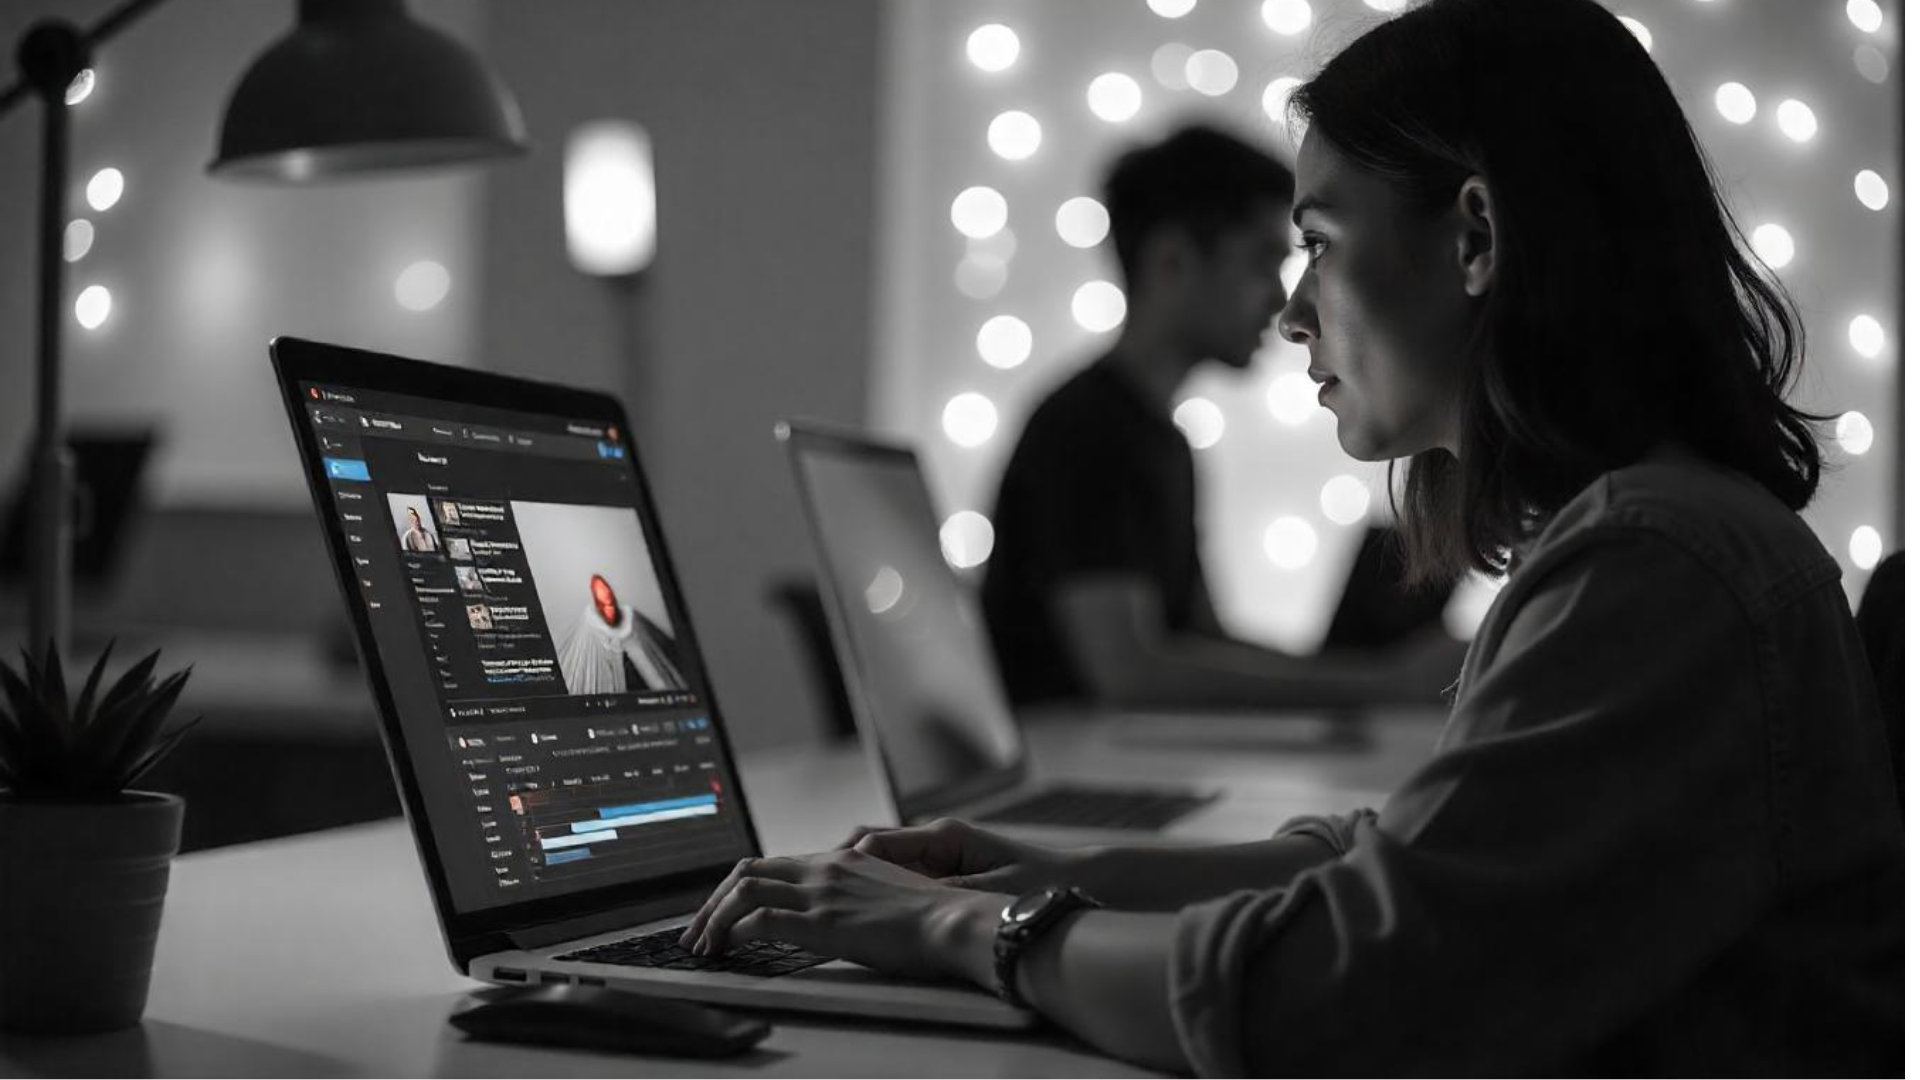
(1314, 246)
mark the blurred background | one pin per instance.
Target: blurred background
(876, 212)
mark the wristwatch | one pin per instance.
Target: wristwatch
(1021, 923)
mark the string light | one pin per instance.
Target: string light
(1004, 341)
(979, 212)
(993, 47)
(1735, 102)
(1014, 135)
(1081, 221)
(81, 87)
(980, 277)
(92, 306)
(1865, 14)
(78, 240)
(1871, 63)
(1796, 120)
(1113, 97)
(885, 590)
(1866, 336)
(1212, 72)
(1290, 543)
(1854, 432)
(1865, 547)
(1774, 245)
(1169, 65)
(1639, 31)
(1286, 16)
(969, 419)
(1870, 189)
(1273, 100)
(966, 539)
(1344, 499)
(1099, 306)
(1292, 397)
(105, 189)
(1201, 421)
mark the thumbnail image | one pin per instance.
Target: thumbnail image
(413, 524)
(449, 513)
(479, 617)
(469, 579)
(600, 598)
(458, 547)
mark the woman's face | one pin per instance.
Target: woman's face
(1385, 306)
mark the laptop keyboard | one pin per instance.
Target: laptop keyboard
(661, 949)
(1099, 808)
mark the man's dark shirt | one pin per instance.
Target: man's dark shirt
(1100, 482)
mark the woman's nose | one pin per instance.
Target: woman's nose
(1298, 321)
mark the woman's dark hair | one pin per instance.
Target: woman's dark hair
(1626, 309)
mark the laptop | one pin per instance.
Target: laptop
(562, 760)
(922, 679)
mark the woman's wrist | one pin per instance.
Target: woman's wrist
(961, 931)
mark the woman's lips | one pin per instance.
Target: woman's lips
(1326, 380)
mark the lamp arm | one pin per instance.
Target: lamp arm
(109, 25)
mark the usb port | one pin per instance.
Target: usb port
(592, 980)
(553, 977)
(509, 974)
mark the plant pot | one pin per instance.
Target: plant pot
(81, 887)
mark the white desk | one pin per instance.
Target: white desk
(318, 955)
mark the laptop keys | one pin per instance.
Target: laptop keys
(661, 949)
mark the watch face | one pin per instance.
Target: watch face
(1028, 906)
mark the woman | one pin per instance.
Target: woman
(1660, 832)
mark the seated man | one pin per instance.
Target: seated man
(1095, 587)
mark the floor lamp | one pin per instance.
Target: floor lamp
(357, 86)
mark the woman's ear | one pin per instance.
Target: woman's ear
(1474, 214)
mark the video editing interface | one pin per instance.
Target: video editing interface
(553, 716)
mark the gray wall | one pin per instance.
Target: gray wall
(762, 117)
(763, 121)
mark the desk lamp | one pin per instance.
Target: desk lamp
(357, 86)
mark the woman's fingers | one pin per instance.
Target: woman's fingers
(782, 924)
(748, 895)
(861, 833)
(776, 869)
(911, 848)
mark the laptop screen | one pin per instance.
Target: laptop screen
(553, 709)
(913, 647)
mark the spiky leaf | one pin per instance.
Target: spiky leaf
(56, 746)
(113, 757)
(153, 756)
(83, 709)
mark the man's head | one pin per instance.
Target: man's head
(604, 600)
(1199, 221)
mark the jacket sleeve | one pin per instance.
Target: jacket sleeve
(1593, 831)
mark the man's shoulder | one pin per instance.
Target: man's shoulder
(1087, 393)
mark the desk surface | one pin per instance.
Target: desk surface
(318, 955)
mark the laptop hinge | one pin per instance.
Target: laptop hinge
(599, 922)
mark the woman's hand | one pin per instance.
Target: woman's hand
(966, 857)
(857, 907)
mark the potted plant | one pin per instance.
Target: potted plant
(83, 860)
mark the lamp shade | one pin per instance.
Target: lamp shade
(360, 86)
